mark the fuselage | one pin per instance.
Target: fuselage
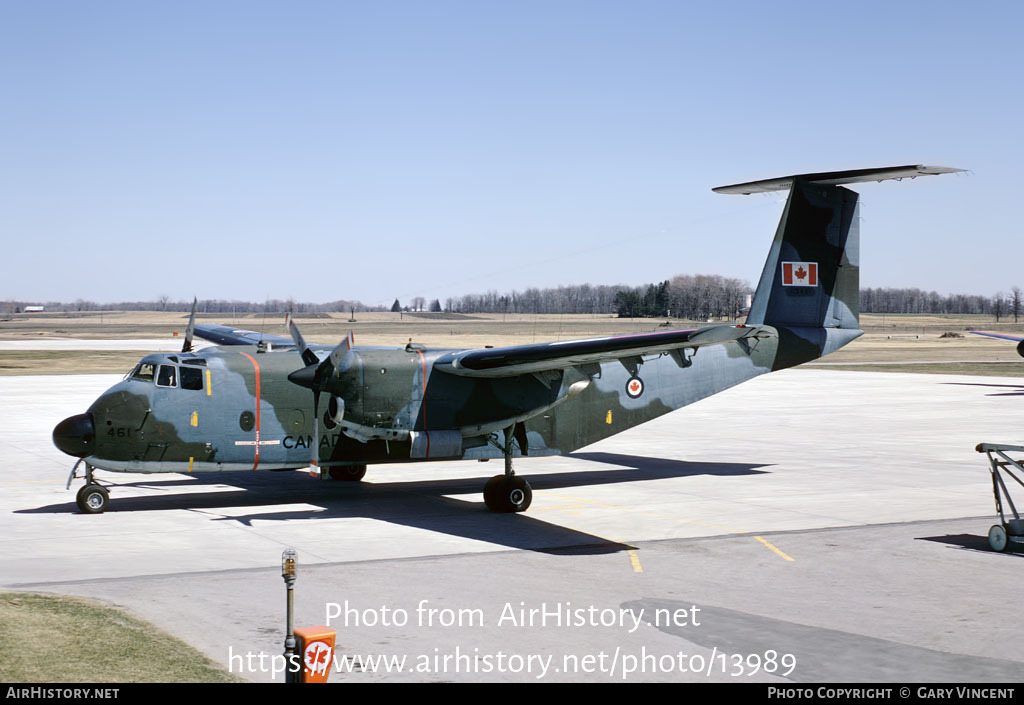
(234, 408)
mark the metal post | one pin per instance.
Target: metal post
(289, 564)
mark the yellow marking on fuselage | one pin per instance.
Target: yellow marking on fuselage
(194, 420)
(608, 418)
(209, 384)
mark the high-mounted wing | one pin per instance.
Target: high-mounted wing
(226, 335)
(1001, 336)
(524, 359)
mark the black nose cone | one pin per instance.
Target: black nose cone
(76, 435)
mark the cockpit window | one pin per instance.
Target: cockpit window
(166, 377)
(191, 378)
(143, 371)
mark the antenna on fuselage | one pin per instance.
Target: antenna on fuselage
(266, 303)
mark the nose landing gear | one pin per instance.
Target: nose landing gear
(93, 498)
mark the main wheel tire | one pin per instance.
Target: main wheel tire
(348, 473)
(491, 492)
(997, 538)
(93, 499)
(507, 496)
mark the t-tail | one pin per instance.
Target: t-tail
(810, 287)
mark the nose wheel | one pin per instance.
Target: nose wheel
(92, 498)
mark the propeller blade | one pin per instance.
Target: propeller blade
(342, 350)
(315, 376)
(308, 356)
(191, 329)
(314, 451)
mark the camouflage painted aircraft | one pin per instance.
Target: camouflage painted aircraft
(254, 402)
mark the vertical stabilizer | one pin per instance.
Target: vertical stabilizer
(811, 278)
(810, 287)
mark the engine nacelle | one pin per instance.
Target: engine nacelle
(1020, 348)
(336, 409)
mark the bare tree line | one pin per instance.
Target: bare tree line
(583, 298)
(891, 300)
(164, 303)
(694, 297)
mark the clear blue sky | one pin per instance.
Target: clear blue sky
(373, 150)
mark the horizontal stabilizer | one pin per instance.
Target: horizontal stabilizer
(834, 178)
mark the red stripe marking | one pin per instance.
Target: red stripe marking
(423, 398)
(256, 366)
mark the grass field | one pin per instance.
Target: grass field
(108, 645)
(891, 339)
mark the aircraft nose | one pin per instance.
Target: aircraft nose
(76, 435)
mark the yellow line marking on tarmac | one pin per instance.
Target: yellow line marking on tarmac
(774, 548)
(634, 559)
(672, 518)
(561, 507)
(631, 551)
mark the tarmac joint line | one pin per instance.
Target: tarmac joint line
(634, 559)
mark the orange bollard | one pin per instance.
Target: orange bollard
(316, 644)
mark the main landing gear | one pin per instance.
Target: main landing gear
(93, 498)
(508, 493)
(347, 473)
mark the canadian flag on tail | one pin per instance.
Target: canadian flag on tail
(799, 274)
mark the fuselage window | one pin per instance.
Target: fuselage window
(144, 371)
(191, 378)
(166, 377)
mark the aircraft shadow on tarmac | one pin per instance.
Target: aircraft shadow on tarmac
(1018, 389)
(970, 542)
(417, 504)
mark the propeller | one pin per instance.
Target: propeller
(316, 375)
(191, 329)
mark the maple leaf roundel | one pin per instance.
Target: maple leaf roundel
(634, 387)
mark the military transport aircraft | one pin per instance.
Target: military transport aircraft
(254, 402)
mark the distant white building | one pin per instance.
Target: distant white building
(34, 309)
